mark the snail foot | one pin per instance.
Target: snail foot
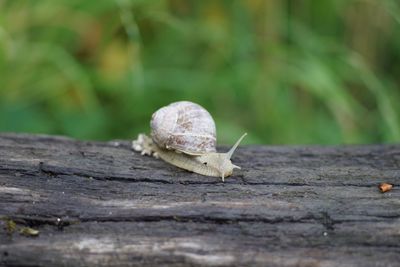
(144, 144)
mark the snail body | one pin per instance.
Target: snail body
(184, 134)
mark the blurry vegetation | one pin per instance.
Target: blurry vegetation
(293, 71)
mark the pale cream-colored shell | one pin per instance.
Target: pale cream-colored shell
(185, 127)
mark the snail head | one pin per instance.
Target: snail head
(221, 162)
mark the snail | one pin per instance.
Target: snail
(184, 134)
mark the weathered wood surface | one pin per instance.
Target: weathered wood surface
(101, 204)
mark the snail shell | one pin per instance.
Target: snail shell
(184, 127)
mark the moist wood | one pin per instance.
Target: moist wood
(101, 204)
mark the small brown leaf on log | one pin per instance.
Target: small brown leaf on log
(384, 187)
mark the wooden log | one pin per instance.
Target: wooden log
(101, 204)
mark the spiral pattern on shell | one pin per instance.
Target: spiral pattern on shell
(184, 126)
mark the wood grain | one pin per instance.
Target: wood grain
(101, 204)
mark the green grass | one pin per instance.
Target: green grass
(286, 72)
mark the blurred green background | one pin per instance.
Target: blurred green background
(285, 71)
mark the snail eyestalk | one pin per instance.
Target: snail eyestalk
(232, 150)
(223, 163)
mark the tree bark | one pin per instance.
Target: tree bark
(101, 204)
